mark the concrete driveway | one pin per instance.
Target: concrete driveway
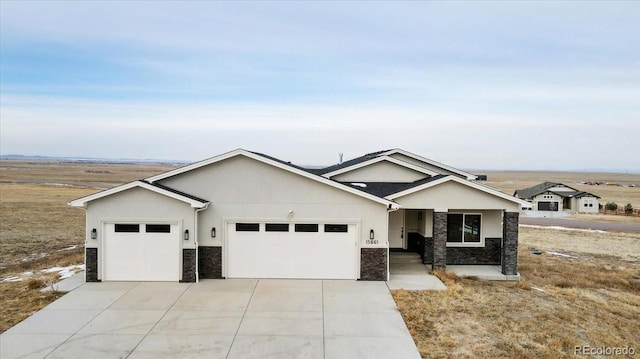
(231, 318)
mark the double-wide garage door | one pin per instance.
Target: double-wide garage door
(291, 250)
(141, 252)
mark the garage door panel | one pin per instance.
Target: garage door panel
(310, 255)
(141, 256)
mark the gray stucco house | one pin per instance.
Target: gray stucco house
(557, 197)
(244, 214)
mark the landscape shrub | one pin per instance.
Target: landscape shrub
(611, 206)
(628, 208)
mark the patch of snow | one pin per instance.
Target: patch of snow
(564, 228)
(63, 273)
(561, 254)
(358, 184)
(67, 249)
(58, 184)
(538, 289)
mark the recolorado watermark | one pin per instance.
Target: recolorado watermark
(587, 350)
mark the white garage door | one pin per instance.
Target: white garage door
(283, 250)
(141, 252)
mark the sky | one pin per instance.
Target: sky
(476, 85)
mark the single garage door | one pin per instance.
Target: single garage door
(141, 252)
(547, 206)
(289, 250)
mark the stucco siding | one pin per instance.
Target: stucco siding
(455, 195)
(137, 205)
(593, 201)
(241, 188)
(383, 171)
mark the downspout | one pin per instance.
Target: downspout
(195, 241)
(390, 209)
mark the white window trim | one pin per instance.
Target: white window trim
(469, 244)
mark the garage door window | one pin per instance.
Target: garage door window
(336, 228)
(158, 228)
(127, 228)
(277, 227)
(306, 227)
(247, 227)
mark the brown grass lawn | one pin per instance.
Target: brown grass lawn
(560, 302)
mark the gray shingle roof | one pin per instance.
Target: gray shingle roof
(351, 162)
(529, 193)
(176, 191)
(383, 189)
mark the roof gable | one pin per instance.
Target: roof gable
(474, 185)
(193, 201)
(275, 163)
(387, 154)
(377, 162)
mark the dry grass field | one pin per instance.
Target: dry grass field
(591, 298)
(561, 302)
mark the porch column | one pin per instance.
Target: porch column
(510, 243)
(439, 240)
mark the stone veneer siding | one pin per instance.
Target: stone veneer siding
(373, 264)
(210, 262)
(487, 255)
(510, 243)
(91, 268)
(427, 254)
(439, 259)
(188, 265)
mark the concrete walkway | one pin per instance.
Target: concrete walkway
(230, 319)
(407, 272)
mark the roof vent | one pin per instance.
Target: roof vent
(340, 155)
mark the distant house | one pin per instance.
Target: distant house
(557, 197)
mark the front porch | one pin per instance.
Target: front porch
(406, 271)
(479, 243)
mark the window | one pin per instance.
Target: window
(464, 228)
(127, 228)
(247, 227)
(158, 228)
(336, 228)
(277, 227)
(306, 227)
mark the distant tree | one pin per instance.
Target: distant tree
(611, 206)
(628, 208)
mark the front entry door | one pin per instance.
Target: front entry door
(396, 229)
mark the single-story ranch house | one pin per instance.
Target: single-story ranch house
(557, 197)
(244, 214)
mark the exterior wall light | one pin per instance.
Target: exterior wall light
(213, 232)
(371, 234)
(186, 234)
(94, 234)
